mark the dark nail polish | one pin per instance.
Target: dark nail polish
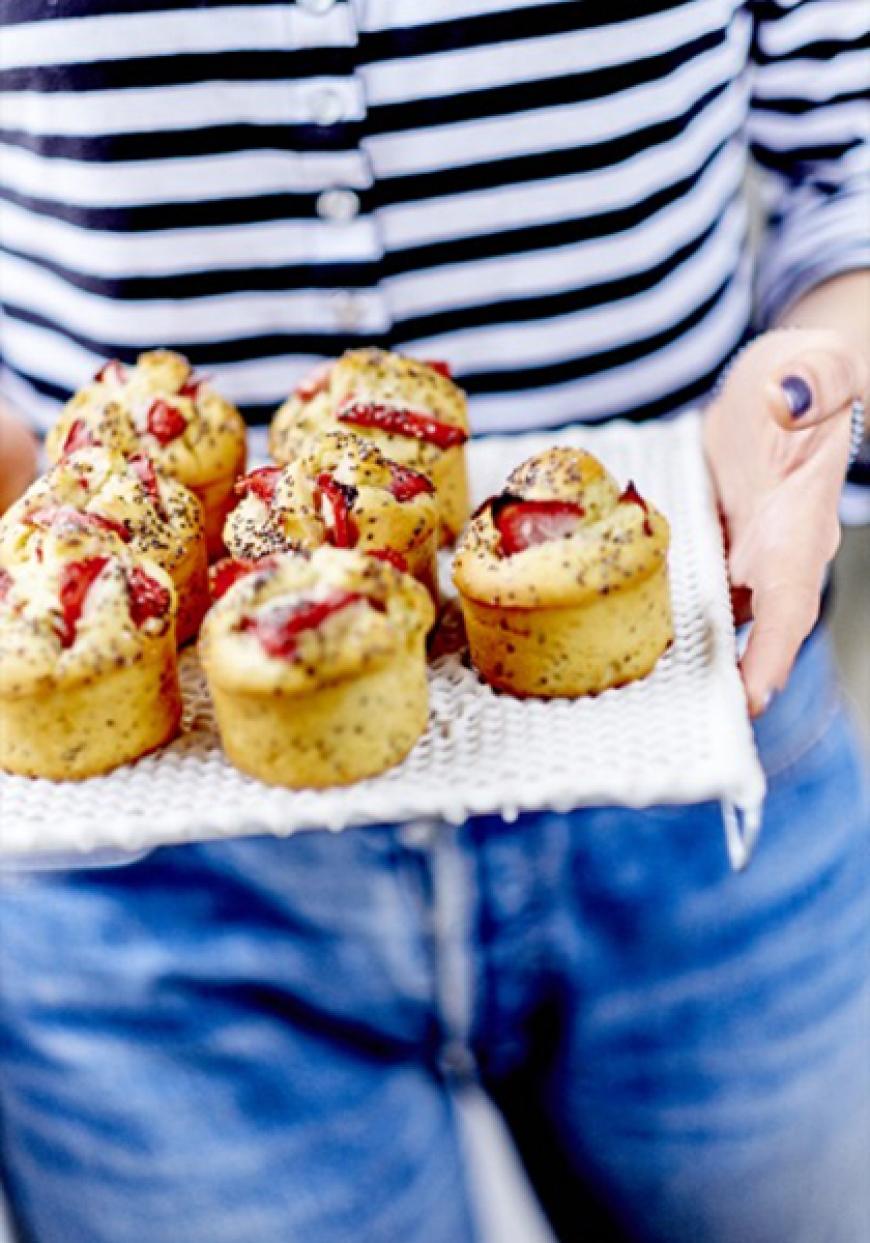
(798, 394)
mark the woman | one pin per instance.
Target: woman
(254, 1042)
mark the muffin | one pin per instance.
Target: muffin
(162, 409)
(341, 491)
(88, 674)
(563, 580)
(127, 502)
(316, 666)
(410, 409)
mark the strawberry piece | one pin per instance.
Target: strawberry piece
(78, 437)
(523, 524)
(224, 573)
(144, 468)
(402, 423)
(76, 580)
(316, 381)
(148, 598)
(191, 386)
(112, 372)
(391, 557)
(5, 584)
(631, 496)
(278, 630)
(341, 496)
(261, 482)
(405, 483)
(79, 519)
(165, 422)
(439, 365)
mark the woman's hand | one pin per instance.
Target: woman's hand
(777, 442)
(17, 458)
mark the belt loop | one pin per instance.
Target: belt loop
(451, 930)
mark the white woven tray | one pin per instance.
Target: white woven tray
(680, 736)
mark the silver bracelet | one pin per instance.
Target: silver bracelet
(857, 431)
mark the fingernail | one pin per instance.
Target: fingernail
(798, 394)
(762, 703)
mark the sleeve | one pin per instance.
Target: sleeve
(809, 130)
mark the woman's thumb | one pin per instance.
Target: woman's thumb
(819, 382)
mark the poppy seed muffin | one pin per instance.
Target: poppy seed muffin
(410, 409)
(341, 491)
(563, 580)
(126, 502)
(88, 673)
(159, 407)
(317, 669)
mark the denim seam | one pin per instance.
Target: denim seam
(454, 967)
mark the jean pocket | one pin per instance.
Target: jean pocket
(801, 715)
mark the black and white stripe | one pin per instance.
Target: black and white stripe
(548, 194)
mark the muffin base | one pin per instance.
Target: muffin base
(190, 577)
(450, 477)
(67, 733)
(332, 736)
(218, 498)
(422, 563)
(575, 650)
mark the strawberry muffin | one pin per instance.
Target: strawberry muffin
(125, 501)
(341, 491)
(88, 674)
(410, 409)
(317, 667)
(563, 580)
(161, 408)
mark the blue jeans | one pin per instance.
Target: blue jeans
(258, 1041)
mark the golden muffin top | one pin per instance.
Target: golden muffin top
(411, 409)
(341, 491)
(78, 610)
(306, 621)
(560, 533)
(124, 499)
(159, 407)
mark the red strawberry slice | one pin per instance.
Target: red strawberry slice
(262, 483)
(316, 381)
(343, 532)
(165, 422)
(78, 437)
(402, 423)
(76, 580)
(79, 519)
(391, 557)
(523, 524)
(439, 365)
(148, 598)
(191, 386)
(112, 372)
(5, 584)
(144, 468)
(224, 573)
(405, 483)
(278, 630)
(631, 496)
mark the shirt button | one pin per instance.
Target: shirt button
(348, 309)
(339, 206)
(316, 6)
(327, 106)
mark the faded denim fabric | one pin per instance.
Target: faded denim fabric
(258, 1041)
